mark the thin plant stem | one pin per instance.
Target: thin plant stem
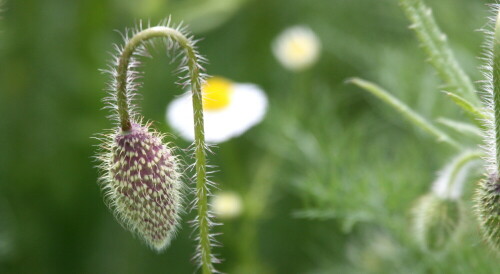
(458, 164)
(199, 144)
(496, 90)
(460, 127)
(406, 111)
(435, 45)
(474, 113)
(302, 93)
(256, 201)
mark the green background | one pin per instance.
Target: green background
(328, 179)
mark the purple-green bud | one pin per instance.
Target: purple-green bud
(488, 209)
(143, 184)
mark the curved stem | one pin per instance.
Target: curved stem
(456, 168)
(200, 156)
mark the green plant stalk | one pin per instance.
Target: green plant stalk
(496, 90)
(301, 93)
(402, 108)
(435, 45)
(460, 162)
(199, 148)
(487, 199)
(256, 200)
(460, 127)
(471, 110)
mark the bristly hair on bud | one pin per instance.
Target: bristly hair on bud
(487, 199)
(142, 183)
(488, 210)
(139, 172)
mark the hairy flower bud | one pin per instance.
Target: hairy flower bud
(436, 221)
(488, 209)
(140, 172)
(143, 184)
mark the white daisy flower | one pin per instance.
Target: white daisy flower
(297, 48)
(226, 205)
(229, 108)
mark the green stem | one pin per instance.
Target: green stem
(257, 202)
(435, 45)
(457, 166)
(473, 112)
(199, 144)
(496, 90)
(410, 114)
(461, 127)
(302, 93)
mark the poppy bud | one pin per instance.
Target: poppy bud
(488, 209)
(436, 221)
(143, 185)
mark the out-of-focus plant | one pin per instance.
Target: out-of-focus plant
(297, 48)
(7, 231)
(226, 205)
(6, 220)
(140, 175)
(201, 15)
(437, 215)
(204, 15)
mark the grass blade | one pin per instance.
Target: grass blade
(473, 111)
(406, 111)
(461, 127)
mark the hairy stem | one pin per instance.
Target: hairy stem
(496, 90)
(199, 143)
(435, 45)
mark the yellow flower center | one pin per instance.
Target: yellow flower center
(298, 48)
(216, 93)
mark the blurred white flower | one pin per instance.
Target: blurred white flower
(226, 205)
(229, 108)
(297, 48)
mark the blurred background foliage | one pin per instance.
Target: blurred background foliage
(327, 180)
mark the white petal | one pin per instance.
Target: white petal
(247, 108)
